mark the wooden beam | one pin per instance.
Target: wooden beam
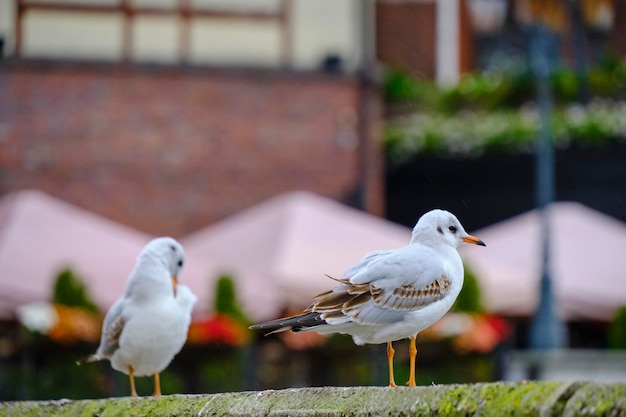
(125, 6)
(127, 30)
(286, 30)
(182, 10)
(184, 36)
(19, 30)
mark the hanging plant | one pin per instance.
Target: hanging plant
(69, 290)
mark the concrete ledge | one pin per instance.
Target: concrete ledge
(493, 399)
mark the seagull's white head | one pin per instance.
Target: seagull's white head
(441, 226)
(168, 251)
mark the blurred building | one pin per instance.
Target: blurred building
(443, 39)
(170, 115)
(261, 33)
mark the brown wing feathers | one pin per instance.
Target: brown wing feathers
(434, 289)
(408, 297)
(351, 296)
(339, 299)
(112, 339)
(346, 299)
(113, 334)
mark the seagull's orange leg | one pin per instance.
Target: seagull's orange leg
(131, 376)
(412, 355)
(390, 353)
(157, 385)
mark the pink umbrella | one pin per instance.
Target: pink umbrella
(588, 263)
(41, 235)
(280, 250)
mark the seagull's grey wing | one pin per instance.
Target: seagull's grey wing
(367, 260)
(384, 286)
(367, 304)
(112, 330)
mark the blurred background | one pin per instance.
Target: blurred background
(280, 140)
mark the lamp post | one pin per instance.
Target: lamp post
(546, 330)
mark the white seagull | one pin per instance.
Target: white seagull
(394, 294)
(147, 326)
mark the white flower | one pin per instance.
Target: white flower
(39, 316)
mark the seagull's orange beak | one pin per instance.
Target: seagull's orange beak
(174, 284)
(473, 240)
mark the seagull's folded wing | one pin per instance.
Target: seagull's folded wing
(112, 330)
(368, 304)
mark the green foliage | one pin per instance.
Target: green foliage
(495, 111)
(223, 371)
(487, 91)
(608, 79)
(226, 300)
(506, 90)
(45, 375)
(400, 86)
(46, 371)
(475, 132)
(617, 332)
(469, 299)
(565, 85)
(69, 290)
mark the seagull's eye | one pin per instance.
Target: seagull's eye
(180, 264)
(173, 248)
(452, 229)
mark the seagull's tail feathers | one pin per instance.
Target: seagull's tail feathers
(91, 358)
(293, 323)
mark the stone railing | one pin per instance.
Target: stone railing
(492, 399)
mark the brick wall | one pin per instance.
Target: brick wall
(405, 35)
(169, 150)
(617, 36)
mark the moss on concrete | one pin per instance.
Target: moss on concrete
(599, 400)
(495, 399)
(498, 399)
(172, 405)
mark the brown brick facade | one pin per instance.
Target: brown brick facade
(617, 36)
(405, 36)
(169, 150)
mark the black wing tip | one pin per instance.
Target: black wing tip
(87, 359)
(270, 325)
(294, 323)
(263, 326)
